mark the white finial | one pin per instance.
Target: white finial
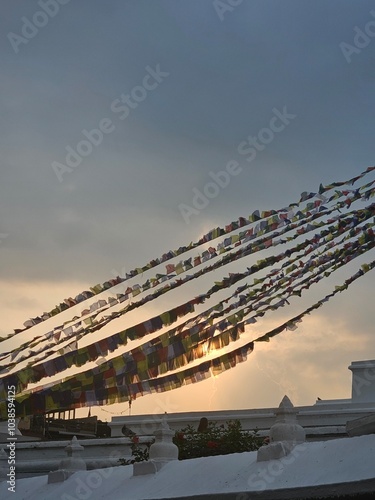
(286, 403)
(164, 422)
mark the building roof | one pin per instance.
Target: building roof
(342, 461)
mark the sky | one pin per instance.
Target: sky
(168, 93)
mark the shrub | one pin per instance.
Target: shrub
(215, 440)
(139, 453)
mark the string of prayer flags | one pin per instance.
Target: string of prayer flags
(321, 233)
(81, 395)
(39, 370)
(211, 235)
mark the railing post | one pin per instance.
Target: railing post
(285, 434)
(162, 451)
(69, 465)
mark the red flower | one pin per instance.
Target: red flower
(180, 435)
(135, 439)
(212, 444)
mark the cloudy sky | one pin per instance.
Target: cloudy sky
(177, 88)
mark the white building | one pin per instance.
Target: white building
(329, 426)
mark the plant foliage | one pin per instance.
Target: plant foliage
(216, 440)
(213, 440)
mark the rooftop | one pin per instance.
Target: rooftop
(311, 464)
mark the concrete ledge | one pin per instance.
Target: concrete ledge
(40, 457)
(361, 426)
(40, 467)
(327, 415)
(360, 490)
